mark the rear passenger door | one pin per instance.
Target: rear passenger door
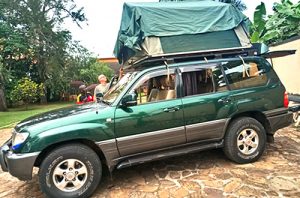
(252, 87)
(206, 102)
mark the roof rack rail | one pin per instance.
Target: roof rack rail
(204, 54)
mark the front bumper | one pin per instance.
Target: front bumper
(18, 165)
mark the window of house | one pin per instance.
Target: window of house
(202, 81)
(244, 75)
(155, 88)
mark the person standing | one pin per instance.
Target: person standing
(84, 96)
(102, 87)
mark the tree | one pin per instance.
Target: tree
(15, 59)
(27, 91)
(94, 68)
(259, 21)
(3, 105)
(79, 65)
(283, 24)
(40, 21)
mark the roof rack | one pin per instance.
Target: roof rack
(195, 55)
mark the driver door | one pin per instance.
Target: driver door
(157, 119)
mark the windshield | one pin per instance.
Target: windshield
(114, 92)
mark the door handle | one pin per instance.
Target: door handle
(171, 109)
(224, 100)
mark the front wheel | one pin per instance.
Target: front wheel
(73, 170)
(245, 140)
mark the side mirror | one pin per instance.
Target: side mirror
(99, 97)
(129, 100)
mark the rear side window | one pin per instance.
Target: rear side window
(250, 73)
(203, 80)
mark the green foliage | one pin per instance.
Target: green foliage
(27, 91)
(32, 41)
(259, 21)
(90, 73)
(12, 42)
(283, 24)
(84, 67)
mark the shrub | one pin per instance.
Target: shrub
(26, 91)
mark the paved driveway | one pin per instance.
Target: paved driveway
(204, 174)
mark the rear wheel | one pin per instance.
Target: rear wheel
(73, 170)
(245, 140)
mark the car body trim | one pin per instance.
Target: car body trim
(151, 140)
(206, 130)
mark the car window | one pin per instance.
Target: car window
(244, 74)
(152, 88)
(203, 80)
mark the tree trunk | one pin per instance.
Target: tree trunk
(3, 106)
(44, 97)
(41, 72)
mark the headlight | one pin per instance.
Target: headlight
(18, 139)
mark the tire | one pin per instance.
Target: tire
(239, 146)
(72, 170)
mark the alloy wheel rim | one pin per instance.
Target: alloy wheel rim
(247, 141)
(70, 175)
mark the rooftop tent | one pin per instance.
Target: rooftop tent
(171, 27)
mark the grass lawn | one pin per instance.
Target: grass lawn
(14, 115)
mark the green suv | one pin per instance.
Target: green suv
(152, 112)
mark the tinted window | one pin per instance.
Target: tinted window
(201, 81)
(244, 75)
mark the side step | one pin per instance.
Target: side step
(171, 152)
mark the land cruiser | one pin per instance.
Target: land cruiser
(163, 107)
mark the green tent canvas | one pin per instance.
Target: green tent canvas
(158, 28)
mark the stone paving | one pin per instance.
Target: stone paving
(204, 174)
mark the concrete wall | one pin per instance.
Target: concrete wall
(288, 67)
